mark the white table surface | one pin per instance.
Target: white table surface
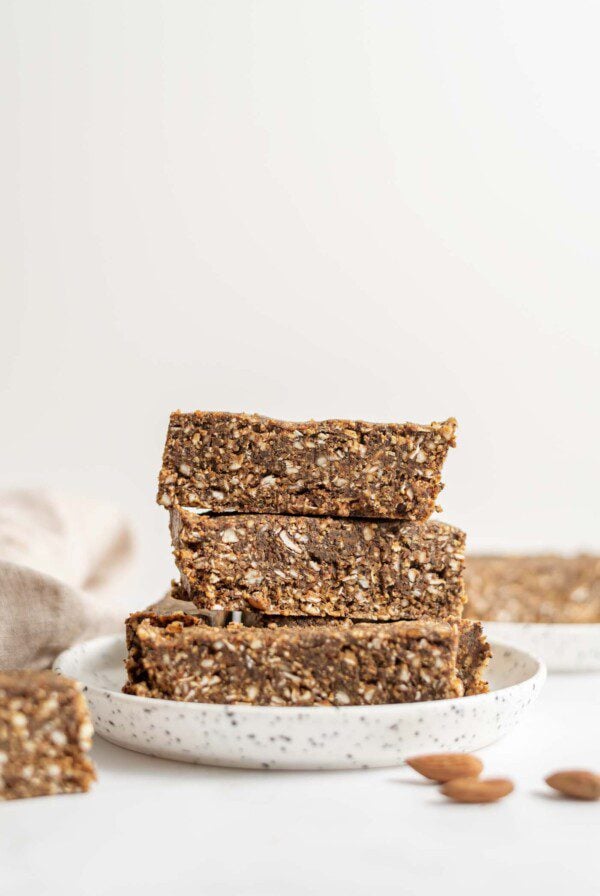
(157, 827)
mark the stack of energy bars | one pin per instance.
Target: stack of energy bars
(311, 573)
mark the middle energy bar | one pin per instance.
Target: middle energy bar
(320, 566)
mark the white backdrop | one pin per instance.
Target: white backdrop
(383, 209)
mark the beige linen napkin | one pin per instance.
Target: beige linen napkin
(63, 564)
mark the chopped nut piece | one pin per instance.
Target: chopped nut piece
(228, 536)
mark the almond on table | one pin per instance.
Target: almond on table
(442, 767)
(576, 783)
(477, 790)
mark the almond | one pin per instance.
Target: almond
(477, 790)
(442, 767)
(576, 783)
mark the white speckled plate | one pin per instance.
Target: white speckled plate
(320, 737)
(564, 647)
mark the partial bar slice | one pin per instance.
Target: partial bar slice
(474, 654)
(318, 566)
(250, 464)
(179, 657)
(45, 734)
(542, 588)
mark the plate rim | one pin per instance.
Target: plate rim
(538, 677)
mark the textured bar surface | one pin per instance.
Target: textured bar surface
(251, 464)
(181, 658)
(45, 734)
(473, 649)
(318, 566)
(474, 654)
(541, 588)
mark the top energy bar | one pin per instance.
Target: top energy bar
(227, 463)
